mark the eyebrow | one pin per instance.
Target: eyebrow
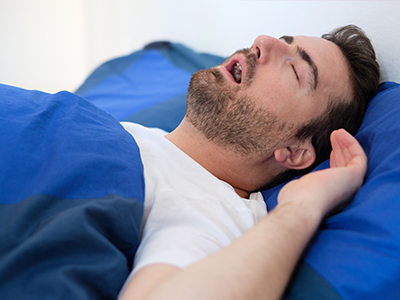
(307, 58)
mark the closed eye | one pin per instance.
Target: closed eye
(295, 72)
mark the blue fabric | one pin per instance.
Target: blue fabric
(358, 250)
(307, 284)
(170, 80)
(149, 86)
(71, 198)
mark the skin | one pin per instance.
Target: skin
(258, 265)
(277, 90)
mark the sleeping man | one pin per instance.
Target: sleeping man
(268, 113)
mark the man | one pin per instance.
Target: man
(260, 117)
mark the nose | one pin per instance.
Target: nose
(266, 47)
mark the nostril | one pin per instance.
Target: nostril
(258, 52)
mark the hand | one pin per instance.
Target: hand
(330, 188)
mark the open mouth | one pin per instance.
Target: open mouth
(237, 72)
(235, 68)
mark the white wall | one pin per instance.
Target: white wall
(54, 44)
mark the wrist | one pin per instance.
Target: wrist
(305, 214)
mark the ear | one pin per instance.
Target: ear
(298, 156)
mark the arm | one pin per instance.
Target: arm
(259, 264)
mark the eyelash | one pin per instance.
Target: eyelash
(295, 72)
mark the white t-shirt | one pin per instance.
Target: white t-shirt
(189, 213)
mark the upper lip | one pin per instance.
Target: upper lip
(238, 58)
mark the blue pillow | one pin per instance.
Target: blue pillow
(356, 253)
(149, 86)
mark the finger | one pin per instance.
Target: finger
(337, 157)
(346, 148)
(332, 161)
(347, 141)
(352, 146)
(351, 150)
(346, 155)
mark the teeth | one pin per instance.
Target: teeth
(237, 72)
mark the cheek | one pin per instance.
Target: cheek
(277, 99)
(282, 97)
(267, 90)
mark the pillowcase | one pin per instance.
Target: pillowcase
(357, 252)
(149, 86)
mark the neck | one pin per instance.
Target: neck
(244, 174)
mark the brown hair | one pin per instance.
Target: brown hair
(341, 113)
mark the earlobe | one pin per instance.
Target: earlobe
(297, 158)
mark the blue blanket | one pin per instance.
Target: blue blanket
(71, 198)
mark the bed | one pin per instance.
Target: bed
(67, 180)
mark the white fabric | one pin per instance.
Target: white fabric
(189, 213)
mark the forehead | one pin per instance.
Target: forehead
(333, 70)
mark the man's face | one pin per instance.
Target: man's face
(259, 97)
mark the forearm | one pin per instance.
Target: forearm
(256, 266)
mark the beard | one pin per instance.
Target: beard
(229, 117)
